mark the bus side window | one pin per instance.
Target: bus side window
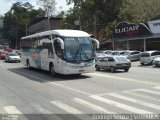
(58, 50)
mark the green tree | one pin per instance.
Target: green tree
(16, 20)
(140, 10)
(49, 6)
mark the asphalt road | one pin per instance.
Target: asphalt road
(34, 94)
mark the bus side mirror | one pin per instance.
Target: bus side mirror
(96, 41)
(60, 41)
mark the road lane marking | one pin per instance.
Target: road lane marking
(46, 113)
(148, 91)
(14, 111)
(92, 106)
(157, 87)
(124, 79)
(141, 95)
(40, 109)
(69, 88)
(154, 106)
(69, 109)
(82, 92)
(120, 105)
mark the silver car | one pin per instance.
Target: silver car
(148, 57)
(156, 62)
(132, 55)
(12, 57)
(113, 63)
(99, 55)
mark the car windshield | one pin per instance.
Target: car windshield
(121, 59)
(78, 49)
(13, 54)
(145, 55)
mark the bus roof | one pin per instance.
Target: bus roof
(60, 32)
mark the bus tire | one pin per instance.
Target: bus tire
(52, 70)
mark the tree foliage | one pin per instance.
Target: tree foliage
(17, 19)
(48, 6)
(108, 13)
(140, 10)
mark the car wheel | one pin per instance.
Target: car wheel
(126, 70)
(112, 69)
(97, 68)
(142, 63)
(52, 70)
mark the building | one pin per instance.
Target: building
(44, 24)
(142, 37)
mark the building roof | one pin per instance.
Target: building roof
(135, 38)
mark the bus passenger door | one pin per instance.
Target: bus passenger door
(44, 59)
(47, 55)
(58, 57)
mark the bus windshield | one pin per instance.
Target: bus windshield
(78, 49)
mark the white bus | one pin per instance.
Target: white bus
(59, 51)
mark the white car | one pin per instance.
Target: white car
(156, 62)
(12, 57)
(148, 57)
(99, 55)
(132, 55)
(113, 63)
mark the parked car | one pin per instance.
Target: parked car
(113, 63)
(18, 52)
(99, 55)
(12, 57)
(2, 54)
(156, 62)
(107, 52)
(148, 57)
(118, 53)
(8, 49)
(115, 53)
(132, 55)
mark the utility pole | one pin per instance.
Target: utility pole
(95, 19)
(48, 17)
(79, 17)
(26, 30)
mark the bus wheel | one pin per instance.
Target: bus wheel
(52, 70)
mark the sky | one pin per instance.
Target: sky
(6, 5)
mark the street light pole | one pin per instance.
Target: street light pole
(48, 17)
